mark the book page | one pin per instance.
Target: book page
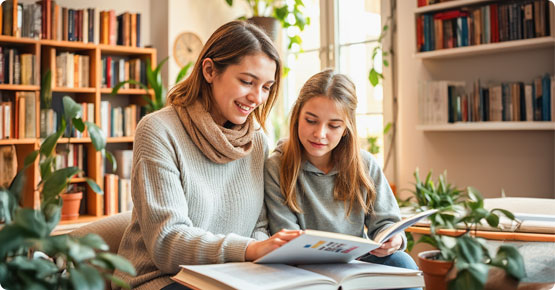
(355, 269)
(314, 247)
(252, 276)
(400, 226)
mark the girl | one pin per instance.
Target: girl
(320, 179)
(198, 163)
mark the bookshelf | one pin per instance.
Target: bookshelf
(483, 32)
(45, 52)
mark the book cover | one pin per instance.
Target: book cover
(316, 247)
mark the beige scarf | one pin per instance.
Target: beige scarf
(216, 142)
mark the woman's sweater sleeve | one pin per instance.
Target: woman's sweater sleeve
(162, 210)
(386, 210)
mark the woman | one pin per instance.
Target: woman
(198, 163)
(320, 179)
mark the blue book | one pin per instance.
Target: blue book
(546, 98)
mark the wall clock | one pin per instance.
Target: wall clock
(186, 48)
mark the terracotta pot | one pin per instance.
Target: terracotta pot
(71, 204)
(435, 271)
(270, 25)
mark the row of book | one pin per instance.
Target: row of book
(17, 116)
(490, 23)
(117, 194)
(68, 155)
(119, 69)
(117, 184)
(18, 120)
(17, 68)
(46, 19)
(72, 70)
(442, 102)
(124, 29)
(119, 121)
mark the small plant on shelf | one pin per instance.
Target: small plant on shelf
(31, 258)
(465, 254)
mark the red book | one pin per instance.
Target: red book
(494, 23)
(450, 14)
(109, 72)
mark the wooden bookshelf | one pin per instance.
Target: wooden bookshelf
(490, 126)
(459, 58)
(45, 52)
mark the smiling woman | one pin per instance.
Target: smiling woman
(193, 158)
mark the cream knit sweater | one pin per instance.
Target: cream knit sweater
(188, 209)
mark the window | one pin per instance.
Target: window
(352, 27)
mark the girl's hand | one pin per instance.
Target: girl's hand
(258, 249)
(388, 247)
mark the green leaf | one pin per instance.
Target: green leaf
(52, 214)
(49, 143)
(32, 221)
(46, 90)
(30, 158)
(509, 258)
(117, 280)
(71, 108)
(385, 63)
(94, 186)
(46, 166)
(97, 136)
(469, 250)
(94, 241)
(112, 160)
(86, 277)
(507, 213)
(11, 237)
(183, 72)
(493, 220)
(229, 2)
(78, 124)
(473, 277)
(118, 262)
(58, 181)
(7, 206)
(373, 77)
(80, 252)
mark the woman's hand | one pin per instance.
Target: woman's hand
(388, 247)
(258, 249)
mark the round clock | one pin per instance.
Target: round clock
(186, 48)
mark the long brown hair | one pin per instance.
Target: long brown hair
(227, 46)
(353, 178)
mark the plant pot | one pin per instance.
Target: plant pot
(435, 271)
(270, 25)
(70, 205)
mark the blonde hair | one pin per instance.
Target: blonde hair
(352, 179)
(227, 46)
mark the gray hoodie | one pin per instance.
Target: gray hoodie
(319, 209)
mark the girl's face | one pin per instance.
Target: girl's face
(240, 88)
(321, 126)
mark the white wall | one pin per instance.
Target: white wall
(201, 17)
(522, 163)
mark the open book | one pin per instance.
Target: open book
(315, 247)
(354, 275)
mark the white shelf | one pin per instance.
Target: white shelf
(490, 48)
(447, 5)
(489, 126)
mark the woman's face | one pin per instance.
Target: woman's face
(321, 126)
(240, 88)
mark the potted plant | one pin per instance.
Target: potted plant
(269, 14)
(154, 81)
(71, 202)
(461, 260)
(31, 258)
